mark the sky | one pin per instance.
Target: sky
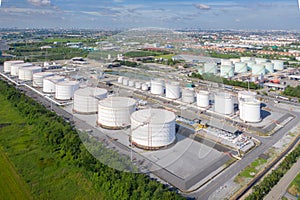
(120, 14)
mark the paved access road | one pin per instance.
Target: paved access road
(279, 190)
(233, 170)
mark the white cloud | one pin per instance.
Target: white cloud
(40, 2)
(202, 6)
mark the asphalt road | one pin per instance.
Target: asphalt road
(233, 170)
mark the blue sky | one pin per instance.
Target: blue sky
(112, 14)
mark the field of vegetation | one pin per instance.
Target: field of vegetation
(292, 91)
(50, 160)
(294, 187)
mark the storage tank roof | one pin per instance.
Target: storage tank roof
(43, 74)
(54, 78)
(155, 116)
(31, 68)
(117, 102)
(67, 83)
(90, 91)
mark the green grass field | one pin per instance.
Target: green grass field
(11, 185)
(30, 170)
(168, 56)
(294, 187)
(250, 171)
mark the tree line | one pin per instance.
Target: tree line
(62, 139)
(264, 187)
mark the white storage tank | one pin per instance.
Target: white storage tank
(269, 67)
(125, 81)
(86, 100)
(38, 78)
(157, 86)
(120, 79)
(258, 69)
(50, 82)
(227, 71)
(145, 87)
(152, 128)
(235, 60)
(260, 60)
(226, 62)
(250, 65)
(15, 68)
(210, 68)
(173, 90)
(250, 110)
(138, 85)
(224, 103)
(65, 90)
(8, 64)
(245, 59)
(115, 112)
(240, 67)
(26, 73)
(188, 95)
(278, 64)
(131, 83)
(203, 98)
(244, 94)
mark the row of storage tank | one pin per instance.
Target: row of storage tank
(258, 66)
(62, 88)
(223, 102)
(150, 128)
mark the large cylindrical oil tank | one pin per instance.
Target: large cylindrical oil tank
(138, 85)
(145, 87)
(240, 67)
(86, 99)
(157, 86)
(250, 110)
(65, 90)
(203, 98)
(8, 64)
(26, 73)
(227, 71)
(278, 64)
(210, 68)
(173, 90)
(235, 60)
(15, 68)
(226, 62)
(260, 60)
(120, 79)
(244, 94)
(38, 78)
(115, 112)
(224, 103)
(258, 69)
(125, 81)
(50, 82)
(269, 67)
(245, 59)
(153, 128)
(188, 95)
(250, 65)
(131, 83)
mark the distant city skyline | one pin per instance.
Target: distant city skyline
(120, 14)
